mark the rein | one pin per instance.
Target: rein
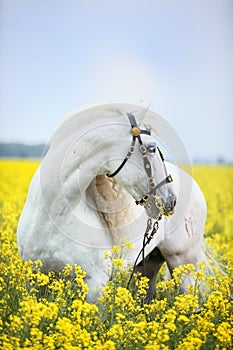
(150, 198)
(146, 240)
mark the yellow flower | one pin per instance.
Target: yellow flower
(185, 302)
(142, 286)
(67, 270)
(62, 318)
(118, 264)
(183, 318)
(224, 333)
(36, 334)
(106, 255)
(116, 250)
(108, 345)
(127, 244)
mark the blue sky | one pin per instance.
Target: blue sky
(175, 54)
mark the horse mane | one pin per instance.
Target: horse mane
(114, 204)
(121, 108)
(74, 113)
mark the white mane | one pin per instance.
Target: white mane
(114, 205)
(140, 112)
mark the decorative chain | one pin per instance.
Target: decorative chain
(148, 236)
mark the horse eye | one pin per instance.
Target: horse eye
(151, 148)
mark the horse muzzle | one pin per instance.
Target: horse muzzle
(169, 207)
(156, 207)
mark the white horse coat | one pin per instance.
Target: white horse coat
(73, 212)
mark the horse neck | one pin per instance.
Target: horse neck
(85, 154)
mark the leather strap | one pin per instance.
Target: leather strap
(133, 124)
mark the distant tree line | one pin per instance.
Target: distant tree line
(19, 150)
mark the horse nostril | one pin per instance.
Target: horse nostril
(171, 203)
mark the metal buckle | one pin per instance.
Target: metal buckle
(169, 178)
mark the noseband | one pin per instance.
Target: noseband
(149, 199)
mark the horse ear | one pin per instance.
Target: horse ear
(140, 115)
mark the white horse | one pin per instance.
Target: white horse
(74, 212)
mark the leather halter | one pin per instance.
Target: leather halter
(136, 133)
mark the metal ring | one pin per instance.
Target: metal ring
(143, 149)
(132, 149)
(169, 178)
(159, 205)
(145, 197)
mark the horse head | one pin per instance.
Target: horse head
(143, 173)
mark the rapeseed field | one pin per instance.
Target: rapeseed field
(60, 317)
